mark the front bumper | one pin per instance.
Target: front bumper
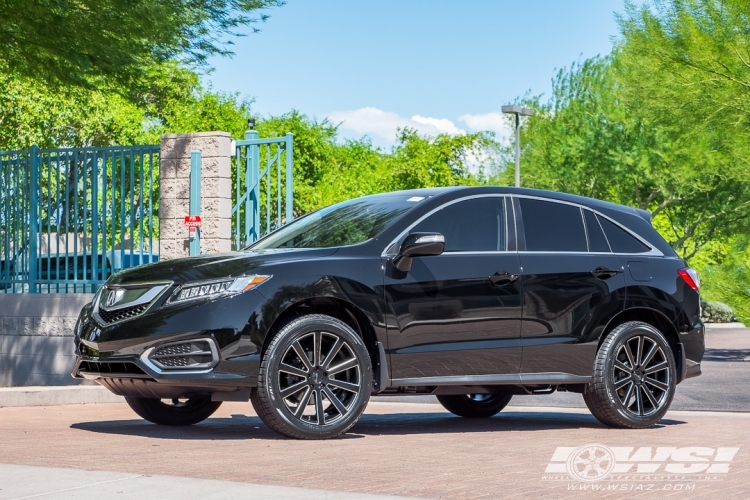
(146, 356)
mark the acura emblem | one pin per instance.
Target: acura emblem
(113, 296)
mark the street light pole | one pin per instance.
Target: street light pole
(519, 112)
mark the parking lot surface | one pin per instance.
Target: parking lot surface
(404, 446)
(406, 449)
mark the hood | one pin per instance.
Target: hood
(206, 267)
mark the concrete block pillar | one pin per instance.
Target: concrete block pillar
(174, 193)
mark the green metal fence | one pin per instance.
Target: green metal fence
(263, 198)
(71, 217)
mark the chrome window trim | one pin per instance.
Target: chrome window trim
(553, 252)
(166, 285)
(480, 252)
(403, 233)
(600, 228)
(586, 231)
(654, 252)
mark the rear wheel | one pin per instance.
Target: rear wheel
(181, 411)
(634, 377)
(475, 405)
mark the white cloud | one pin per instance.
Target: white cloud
(444, 125)
(494, 122)
(382, 125)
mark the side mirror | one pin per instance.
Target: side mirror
(418, 245)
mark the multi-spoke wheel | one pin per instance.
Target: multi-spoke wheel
(178, 411)
(475, 405)
(314, 379)
(634, 377)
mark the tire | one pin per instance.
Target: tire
(299, 395)
(634, 377)
(181, 412)
(475, 405)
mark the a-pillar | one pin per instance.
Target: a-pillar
(174, 193)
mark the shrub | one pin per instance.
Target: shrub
(717, 312)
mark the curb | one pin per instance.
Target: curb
(58, 395)
(723, 326)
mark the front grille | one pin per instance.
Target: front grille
(121, 314)
(191, 354)
(110, 368)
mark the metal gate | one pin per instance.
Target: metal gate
(71, 217)
(263, 198)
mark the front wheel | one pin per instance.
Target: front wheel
(475, 405)
(315, 379)
(634, 377)
(182, 411)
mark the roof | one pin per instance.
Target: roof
(581, 200)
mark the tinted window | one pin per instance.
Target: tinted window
(597, 241)
(469, 226)
(620, 240)
(552, 227)
(342, 224)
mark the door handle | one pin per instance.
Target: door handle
(604, 273)
(503, 278)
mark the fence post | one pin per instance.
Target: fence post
(33, 222)
(195, 199)
(252, 181)
(95, 219)
(289, 177)
(215, 194)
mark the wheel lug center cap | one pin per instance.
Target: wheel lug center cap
(316, 377)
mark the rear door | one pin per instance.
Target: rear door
(459, 314)
(572, 283)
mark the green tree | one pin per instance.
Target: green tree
(328, 170)
(597, 137)
(114, 42)
(32, 113)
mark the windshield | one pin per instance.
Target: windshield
(346, 223)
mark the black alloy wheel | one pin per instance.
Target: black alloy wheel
(475, 405)
(634, 377)
(178, 411)
(315, 379)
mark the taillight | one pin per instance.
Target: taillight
(690, 276)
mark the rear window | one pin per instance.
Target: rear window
(620, 240)
(597, 241)
(552, 227)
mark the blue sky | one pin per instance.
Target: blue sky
(437, 65)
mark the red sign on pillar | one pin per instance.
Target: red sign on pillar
(192, 221)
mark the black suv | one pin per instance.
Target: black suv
(474, 294)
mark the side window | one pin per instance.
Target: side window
(476, 225)
(620, 240)
(597, 241)
(552, 227)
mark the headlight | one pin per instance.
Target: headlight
(215, 288)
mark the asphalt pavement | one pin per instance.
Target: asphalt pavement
(104, 451)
